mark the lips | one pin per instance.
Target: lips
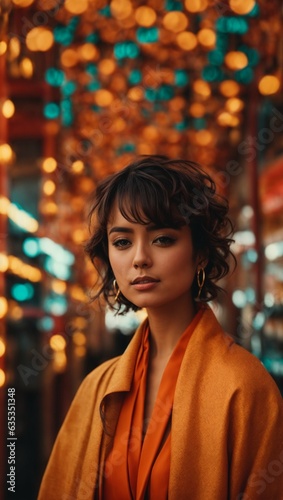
(143, 280)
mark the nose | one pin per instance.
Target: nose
(142, 258)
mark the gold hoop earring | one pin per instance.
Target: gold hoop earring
(200, 281)
(116, 290)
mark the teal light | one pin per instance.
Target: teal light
(147, 35)
(55, 77)
(67, 112)
(31, 247)
(92, 38)
(135, 77)
(128, 147)
(181, 77)
(22, 292)
(57, 269)
(222, 42)
(183, 125)
(62, 35)
(68, 88)
(56, 305)
(215, 57)
(251, 53)
(254, 12)
(173, 5)
(199, 123)
(126, 49)
(92, 86)
(46, 323)
(105, 11)
(166, 92)
(212, 73)
(91, 68)
(51, 111)
(233, 24)
(151, 94)
(245, 75)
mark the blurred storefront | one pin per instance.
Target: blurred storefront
(84, 87)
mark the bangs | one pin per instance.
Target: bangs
(143, 199)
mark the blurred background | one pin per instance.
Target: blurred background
(85, 85)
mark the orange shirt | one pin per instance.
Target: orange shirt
(139, 465)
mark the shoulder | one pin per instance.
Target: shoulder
(99, 376)
(232, 366)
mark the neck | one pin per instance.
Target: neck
(167, 324)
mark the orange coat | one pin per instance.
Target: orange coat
(226, 434)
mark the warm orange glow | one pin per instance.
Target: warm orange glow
(106, 66)
(269, 85)
(3, 307)
(203, 137)
(15, 312)
(4, 205)
(69, 58)
(57, 342)
(76, 7)
(3, 47)
(2, 377)
(2, 347)
(49, 187)
(22, 3)
(175, 21)
(14, 48)
(225, 119)
(145, 16)
(39, 39)
(4, 262)
(59, 361)
(79, 236)
(59, 286)
(197, 110)
(20, 268)
(207, 37)
(88, 52)
(229, 88)
(103, 97)
(121, 10)
(196, 5)
(8, 108)
(242, 6)
(78, 166)
(79, 338)
(49, 165)
(48, 208)
(201, 88)
(234, 105)
(187, 40)
(6, 153)
(80, 351)
(236, 60)
(26, 67)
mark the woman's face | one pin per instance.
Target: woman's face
(153, 266)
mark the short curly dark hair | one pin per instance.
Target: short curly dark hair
(169, 193)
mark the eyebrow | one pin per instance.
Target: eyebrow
(149, 228)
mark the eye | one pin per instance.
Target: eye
(121, 243)
(164, 241)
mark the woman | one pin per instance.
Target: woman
(184, 413)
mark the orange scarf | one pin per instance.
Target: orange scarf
(139, 465)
